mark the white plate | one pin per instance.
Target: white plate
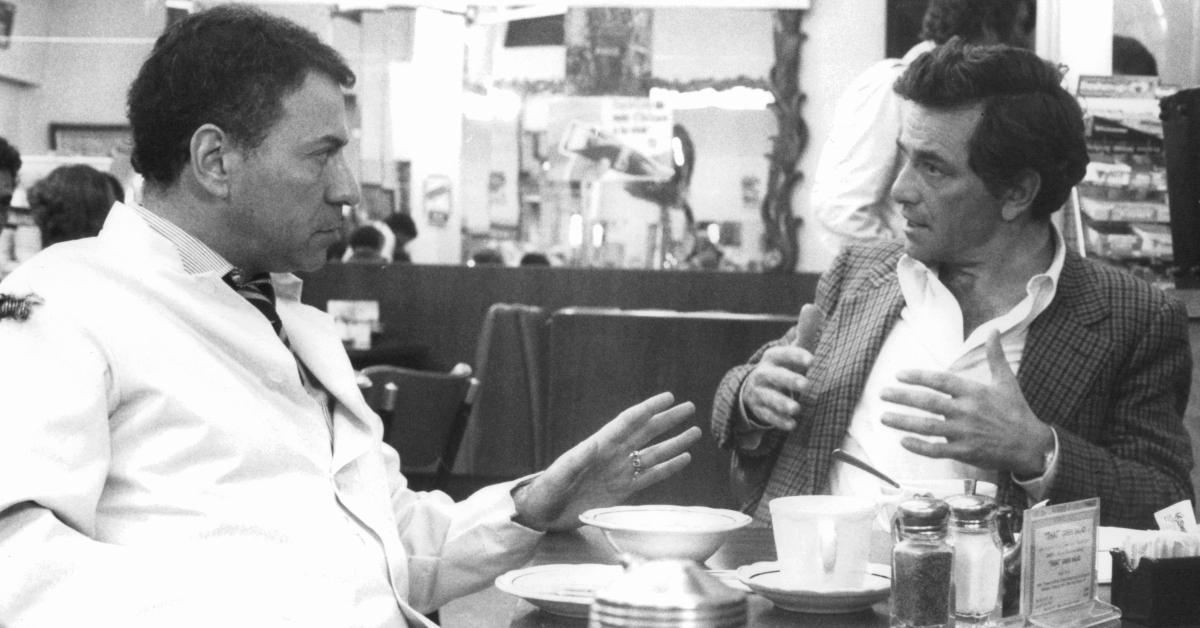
(765, 579)
(565, 590)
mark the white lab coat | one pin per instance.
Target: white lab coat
(161, 463)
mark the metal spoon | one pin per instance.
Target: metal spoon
(862, 464)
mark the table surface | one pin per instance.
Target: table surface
(492, 608)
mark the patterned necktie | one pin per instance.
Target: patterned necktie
(260, 293)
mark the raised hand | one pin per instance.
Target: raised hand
(987, 425)
(780, 378)
(610, 465)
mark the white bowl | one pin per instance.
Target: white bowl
(652, 532)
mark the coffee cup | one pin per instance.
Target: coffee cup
(822, 541)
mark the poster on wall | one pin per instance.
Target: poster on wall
(609, 137)
(436, 194)
(608, 51)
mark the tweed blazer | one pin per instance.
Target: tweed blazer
(1108, 364)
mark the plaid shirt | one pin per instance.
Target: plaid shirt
(1108, 364)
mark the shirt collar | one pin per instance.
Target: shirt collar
(915, 277)
(196, 256)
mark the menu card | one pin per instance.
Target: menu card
(1058, 578)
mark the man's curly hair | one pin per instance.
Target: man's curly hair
(231, 66)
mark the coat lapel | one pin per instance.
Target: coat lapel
(852, 338)
(1065, 327)
(314, 339)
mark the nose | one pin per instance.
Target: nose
(903, 190)
(343, 189)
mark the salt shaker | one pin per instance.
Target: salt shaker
(978, 559)
(922, 565)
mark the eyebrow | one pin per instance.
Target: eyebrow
(922, 154)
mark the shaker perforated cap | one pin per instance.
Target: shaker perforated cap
(923, 513)
(971, 509)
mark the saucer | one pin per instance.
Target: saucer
(765, 579)
(566, 590)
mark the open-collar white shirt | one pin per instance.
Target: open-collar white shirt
(928, 336)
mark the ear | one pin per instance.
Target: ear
(213, 157)
(1018, 199)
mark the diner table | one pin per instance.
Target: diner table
(492, 608)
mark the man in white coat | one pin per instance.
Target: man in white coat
(175, 450)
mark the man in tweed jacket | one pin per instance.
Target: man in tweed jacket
(978, 346)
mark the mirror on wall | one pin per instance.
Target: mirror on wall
(618, 137)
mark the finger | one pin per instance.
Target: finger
(923, 425)
(926, 448)
(660, 472)
(633, 417)
(790, 358)
(808, 327)
(784, 381)
(919, 398)
(997, 363)
(670, 448)
(662, 422)
(774, 408)
(940, 381)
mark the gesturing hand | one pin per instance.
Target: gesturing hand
(987, 425)
(780, 377)
(601, 470)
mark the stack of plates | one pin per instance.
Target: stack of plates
(668, 593)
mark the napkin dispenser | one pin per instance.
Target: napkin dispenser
(1159, 592)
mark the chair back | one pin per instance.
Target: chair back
(505, 435)
(425, 414)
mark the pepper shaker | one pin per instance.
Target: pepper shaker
(922, 565)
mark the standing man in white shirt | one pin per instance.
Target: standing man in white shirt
(183, 443)
(859, 160)
(978, 346)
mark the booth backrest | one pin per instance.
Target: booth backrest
(603, 361)
(443, 307)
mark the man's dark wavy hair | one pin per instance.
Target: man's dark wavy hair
(10, 158)
(1029, 121)
(970, 19)
(230, 66)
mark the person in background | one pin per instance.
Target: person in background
(404, 230)
(71, 203)
(487, 257)
(859, 159)
(365, 245)
(10, 220)
(183, 442)
(979, 346)
(118, 190)
(534, 259)
(1131, 57)
(10, 167)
